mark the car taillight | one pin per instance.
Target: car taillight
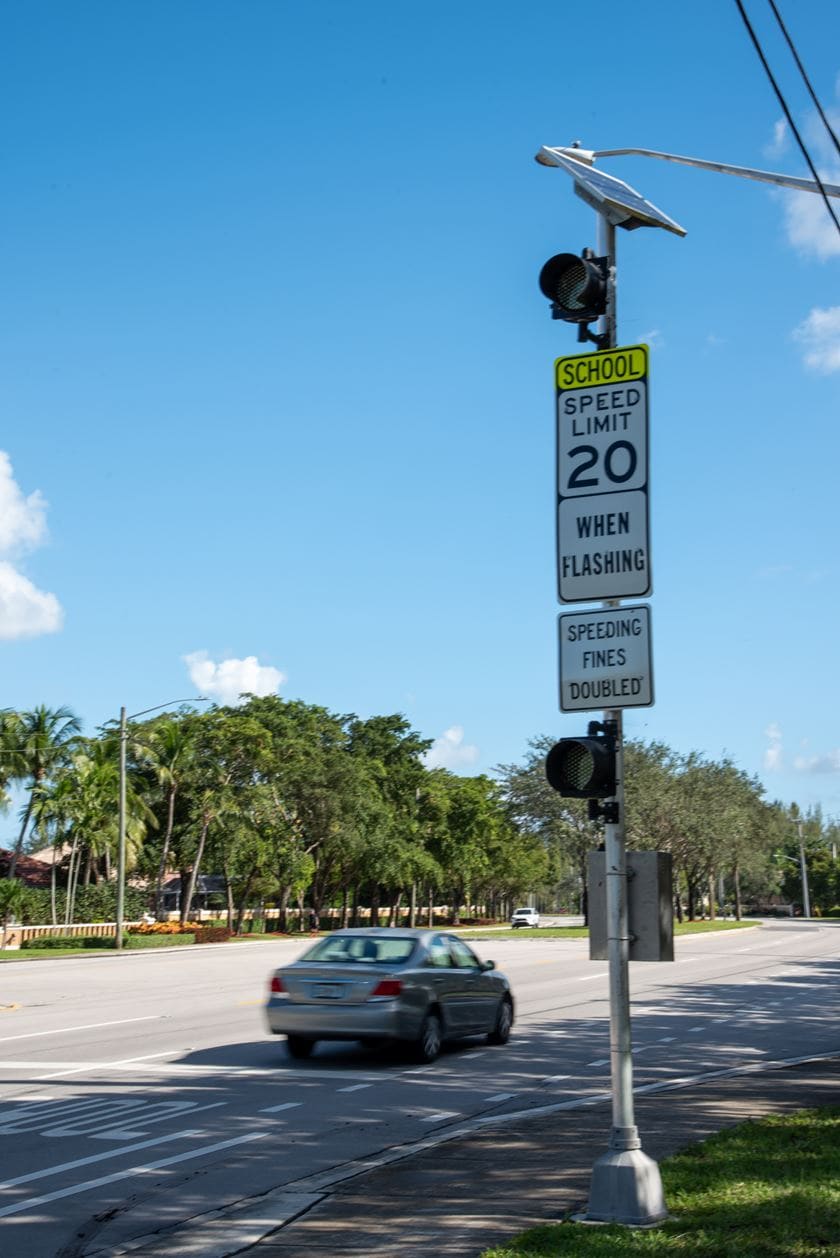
(387, 987)
(277, 984)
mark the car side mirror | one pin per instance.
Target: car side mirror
(488, 965)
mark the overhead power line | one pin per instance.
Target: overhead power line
(780, 97)
(800, 67)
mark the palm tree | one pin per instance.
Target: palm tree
(37, 743)
(169, 750)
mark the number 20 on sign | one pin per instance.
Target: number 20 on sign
(603, 525)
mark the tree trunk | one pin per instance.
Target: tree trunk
(345, 906)
(186, 901)
(354, 912)
(736, 877)
(431, 908)
(374, 908)
(72, 878)
(53, 911)
(456, 907)
(164, 854)
(712, 910)
(394, 911)
(240, 911)
(228, 893)
(412, 913)
(282, 916)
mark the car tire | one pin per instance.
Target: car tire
(299, 1047)
(504, 1022)
(428, 1044)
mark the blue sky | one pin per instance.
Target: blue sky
(277, 380)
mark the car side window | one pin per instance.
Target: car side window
(463, 956)
(439, 955)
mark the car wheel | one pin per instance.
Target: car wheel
(428, 1043)
(298, 1047)
(504, 1021)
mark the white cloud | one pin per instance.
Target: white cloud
(779, 143)
(820, 334)
(653, 338)
(22, 520)
(773, 754)
(230, 678)
(450, 751)
(809, 226)
(25, 612)
(829, 763)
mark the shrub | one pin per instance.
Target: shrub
(212, 934)
(70, 941)
(165, 928)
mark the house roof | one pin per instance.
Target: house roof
(33, 872)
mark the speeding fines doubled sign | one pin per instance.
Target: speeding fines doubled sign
(606, 659)
(603, 532)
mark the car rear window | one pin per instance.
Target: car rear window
(362, 950)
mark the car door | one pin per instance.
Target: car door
(448, 984)
(479, 993)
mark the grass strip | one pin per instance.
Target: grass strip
(767, 1189)
(582, 932)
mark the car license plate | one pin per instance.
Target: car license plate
(326, 991)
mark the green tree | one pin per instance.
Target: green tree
(36, 743)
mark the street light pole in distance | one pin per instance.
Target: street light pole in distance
(123, 734)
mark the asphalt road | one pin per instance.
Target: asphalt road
(142, 1089)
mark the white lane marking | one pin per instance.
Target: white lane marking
(584, 977)
(186, 1110)
(356, 1087)
(89, 1026)
(102, 1065)
(439, 1118)
(74, 1189)
(692, 1030)
(275, 1109)
(667, 1039)
(150, 1112)
(149, 1065)
(556, 1078)
(500, 1096)
(97, 1157)
(602, 1061)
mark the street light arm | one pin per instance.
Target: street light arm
(588, 156)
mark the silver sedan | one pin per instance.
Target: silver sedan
(421, 987)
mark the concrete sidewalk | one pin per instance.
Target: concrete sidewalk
(458, 1194)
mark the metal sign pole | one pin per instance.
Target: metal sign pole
(626, 1186)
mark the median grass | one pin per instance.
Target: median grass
(768, 1189)
(582, 932)
(95, 946)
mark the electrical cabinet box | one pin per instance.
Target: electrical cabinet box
(650, 906)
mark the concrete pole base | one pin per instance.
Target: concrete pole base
(626, 1187)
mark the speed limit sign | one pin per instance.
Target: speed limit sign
(603, 528)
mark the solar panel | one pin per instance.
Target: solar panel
(623, 204)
